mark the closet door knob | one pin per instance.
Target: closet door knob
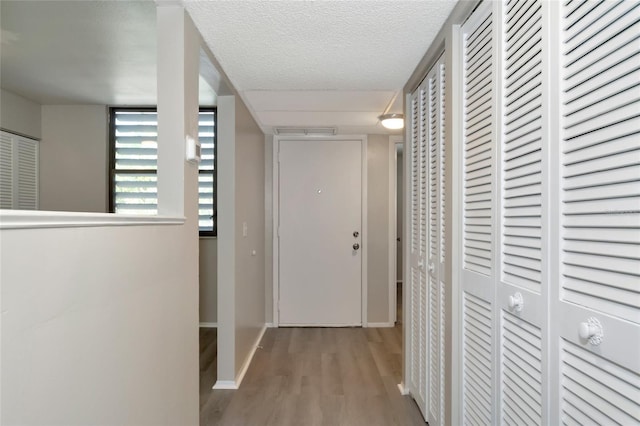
(592, 331)
(516, 302)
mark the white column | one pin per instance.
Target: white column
(178, 70)
(178, 63)
(226, 243)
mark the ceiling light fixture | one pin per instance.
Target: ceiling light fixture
(392, 121)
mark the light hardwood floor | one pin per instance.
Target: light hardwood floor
(312, 376)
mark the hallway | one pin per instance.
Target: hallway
(313, 376)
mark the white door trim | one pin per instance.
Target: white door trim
(393, 226)
(276, 218)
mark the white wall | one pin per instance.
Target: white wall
(100, 323)
(241, 259)
(250, 210)
(99, 326)
(268, 228)
(74, 158)
(208, 280)
(399, 212)
(378, 228)
(19, 115)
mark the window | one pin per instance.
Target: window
(133, 134)
(18, 172)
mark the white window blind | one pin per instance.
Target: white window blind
(18, 172)
(135, 164)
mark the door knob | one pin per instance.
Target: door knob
(516, 302)
(591, 330)
(356, 246)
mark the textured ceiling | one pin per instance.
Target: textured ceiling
(365, 49)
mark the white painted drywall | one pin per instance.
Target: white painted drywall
(399, 213)
(250, 215)
(378, 228)
(268, 228)
(208, 280)
(241, 270)
(20, 115)
(74, 158)
(226, 205)
(99, 326)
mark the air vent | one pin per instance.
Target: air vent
(321, 131)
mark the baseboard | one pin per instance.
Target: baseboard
(381, 325)
(225, 384)
(208, 325)
(270, 325)
(403, 390)
(247, 361)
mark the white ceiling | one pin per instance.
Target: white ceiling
(295, 63)
(320, 63)
(82, 52)
(79, 52)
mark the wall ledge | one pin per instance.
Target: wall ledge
(29, 219)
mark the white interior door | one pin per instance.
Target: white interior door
(478, 163)
(426, 313)
(596, 298)
(522, 150)
(320, 235)
(417, 279)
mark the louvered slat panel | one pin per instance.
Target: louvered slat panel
(415, 174)
(6, 171)
(432, 180)
(415, 328)
(434, 348)
(206, 201)
(521, 371)
(601, 157)
(476, 361)
(423, 249)
(595, 390)
(424, 164)
(433, 167)
(521, 159)
(414, 287)
(442, 146)
(423, 312)
(442, 335)
(478, 151)
(136, 193)
(27, 175)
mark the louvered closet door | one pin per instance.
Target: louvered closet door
(521, 284)
(18, 172)
(478, 228)
(599, 214)
(434, 85)
(6, 171)
(418, 278)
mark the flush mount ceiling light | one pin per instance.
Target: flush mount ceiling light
(392, 121)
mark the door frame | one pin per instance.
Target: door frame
(393, 228)
(276, 217)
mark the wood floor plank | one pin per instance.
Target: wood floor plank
(312, 376)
